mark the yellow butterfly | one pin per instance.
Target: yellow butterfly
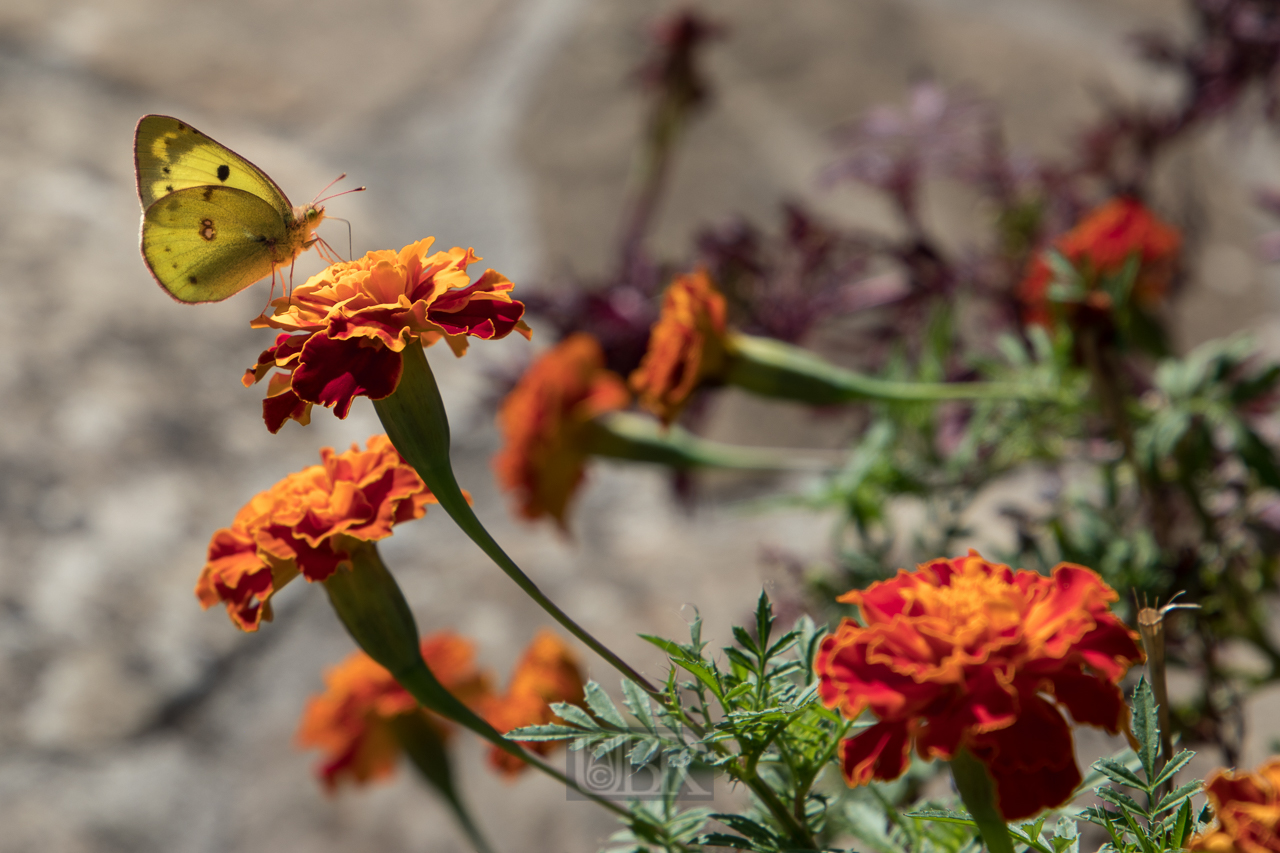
(212, 222)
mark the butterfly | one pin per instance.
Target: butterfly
(212, 222)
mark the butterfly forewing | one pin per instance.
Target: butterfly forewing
(171, 155)
(206, 243)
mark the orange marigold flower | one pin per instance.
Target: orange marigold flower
(345, 329)
(1247, 811)
(1100, 245)
(308, 523)
(966, 653)
(686, 346)
(353, 720)
(542, 422)
(547, 673)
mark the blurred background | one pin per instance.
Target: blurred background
(129, 719)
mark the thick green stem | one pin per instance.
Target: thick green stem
(416, 422)
(425, 746)
(979, 796)
(371, 606)
(623, 435)
(775, 369)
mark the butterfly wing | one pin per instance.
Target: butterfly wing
(206, 243)
(171, 155)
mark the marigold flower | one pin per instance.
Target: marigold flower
(966, 653)
(353, 720)
(308, 523)
(1100, 245)
(345, 329)
(547, 673)
(543, 421)
(687, 346)
(1247, 808)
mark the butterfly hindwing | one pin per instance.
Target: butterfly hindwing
(171, 155)
(205, 243)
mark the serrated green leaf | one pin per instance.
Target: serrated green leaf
(764, 619)
(1183, 791)
(637, 701)
(723, 839)
(543, 733)
(1146, 726)
(602, 706)
(1119, 773)
(1175, 764)
(643, 751)
(943, 815)
(1181, 829)
(1123, 801)
(575, 716)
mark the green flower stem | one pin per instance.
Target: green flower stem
(623, 435)
(416, 422)
(371, 606)
(772, 368)
(425, 746)
(979, 796)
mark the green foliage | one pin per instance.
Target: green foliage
(1165, 822)
(752, 715)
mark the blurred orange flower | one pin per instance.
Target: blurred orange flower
(1100, 245)
(543, 420)
(345, 329)
(1247, 808)
(308, 523)
(547, 673)
(686, 346)
(352, 721)
(966, 653)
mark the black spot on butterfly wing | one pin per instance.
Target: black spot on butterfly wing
(224, 172)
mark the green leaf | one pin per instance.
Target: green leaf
(575, 715)
(637, 702)
(1126, 803)
(602, 706)
(1175, 764)
(1181, 830)
(1146, 726)
(1118, 773)
(1182, 792)
(944, 816)
(745, 640)
(542, 733)
(764, 619)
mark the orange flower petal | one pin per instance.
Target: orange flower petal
(543, 458)
(686, 346)
(345, 328)
(307, 524)
(962, 653)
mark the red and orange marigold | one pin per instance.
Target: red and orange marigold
(353, 721)
(308, 524)
(345, 329)
(686, 346)
(962, 653)
(1247, 811)
(1100, 245)
(548, 673)
(543, 422)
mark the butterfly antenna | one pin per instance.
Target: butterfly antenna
(318, 199)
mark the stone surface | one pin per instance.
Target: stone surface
(129, 719)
